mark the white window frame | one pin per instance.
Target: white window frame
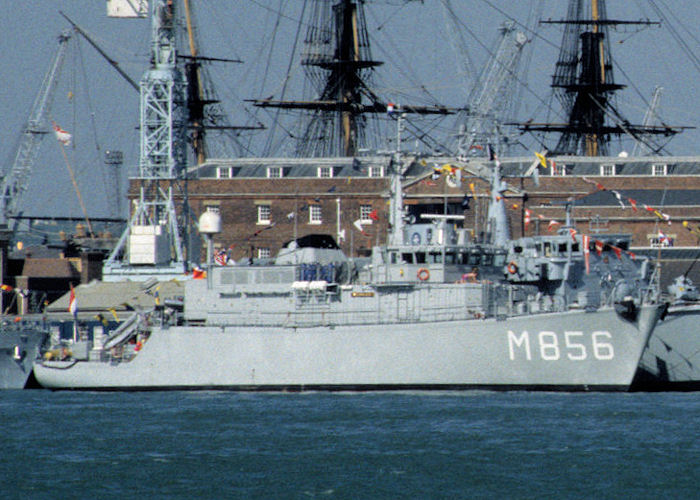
(561, 170)
(655, 243)
(264, 253)
(655, 171)
(365, 210)
(608, 170)
(315, 214)
(325, 172)
(375, 171)
(224, 172)
(275, 172)
(264, 214)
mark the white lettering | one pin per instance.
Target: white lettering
(518, 342)
(571, 345)
(574, 345)
(549, 349)
(602, 350)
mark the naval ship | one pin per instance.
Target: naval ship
(20, 344)
(671, 360)
(428, 310)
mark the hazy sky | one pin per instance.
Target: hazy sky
(420, 65)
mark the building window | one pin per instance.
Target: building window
(325, 172)
(375, 172)
(607, 170)
(214, 208)
(659, 169)
(365, 211)
(557, 169)
(264, 216)
(315, 214)
(263, 253)
(661, 240)
(224, 172)
(275, 172)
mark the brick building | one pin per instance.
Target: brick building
(266, 202)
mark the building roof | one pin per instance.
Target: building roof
(292, 167)
(511, 166)
(651, 197)
(50, 268)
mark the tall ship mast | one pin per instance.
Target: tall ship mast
(585, 86)
(337, 60)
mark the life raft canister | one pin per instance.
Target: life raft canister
(423, 274)
(512, 267)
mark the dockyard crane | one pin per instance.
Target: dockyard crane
(491, 97)
(14, 183)
(154, 233)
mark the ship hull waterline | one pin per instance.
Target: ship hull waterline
(596, 350)
(18, 350)
(671, 361)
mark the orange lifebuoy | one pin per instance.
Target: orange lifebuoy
(423, 274)
(512, 267)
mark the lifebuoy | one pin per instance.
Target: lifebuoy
(512, 267)
(423, 274)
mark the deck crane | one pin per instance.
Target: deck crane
(14, 183)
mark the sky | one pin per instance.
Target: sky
(423, 64)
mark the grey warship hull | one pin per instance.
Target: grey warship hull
(19, 347)
(671, 360)
(570, 351)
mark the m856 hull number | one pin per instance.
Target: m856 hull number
(553, 346)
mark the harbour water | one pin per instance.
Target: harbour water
(347, 445)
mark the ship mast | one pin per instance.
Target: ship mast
(584, 84)
(203, 106)
(337, 60)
